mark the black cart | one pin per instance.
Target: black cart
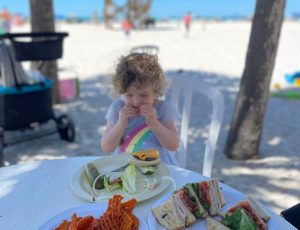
(25, 104)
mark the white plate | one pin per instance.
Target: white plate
(109, 163)
(96, 210)
(230, 198)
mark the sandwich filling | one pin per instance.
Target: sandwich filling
(189, 202)
(239, 220)
(251, 209)
(203, 189)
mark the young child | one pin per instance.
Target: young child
(138, 120)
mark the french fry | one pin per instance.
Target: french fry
(118, 216)
(128, 206)
(126, 222)
(135, 222)
(74, 222)
(84, 223)
(64, 225)
(107, 223)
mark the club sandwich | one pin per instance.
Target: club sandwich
(181, 210)
(249, 212)
(213, 224)
(191, 201)
(210, 196)
(185, 206)
(167, 215)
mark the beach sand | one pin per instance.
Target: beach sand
(214, 52)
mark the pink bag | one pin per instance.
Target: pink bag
(68, 89)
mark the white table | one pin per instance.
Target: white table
(33, 192)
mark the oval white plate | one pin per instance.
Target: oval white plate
(96, 210)
(230, 199)
(109, 163)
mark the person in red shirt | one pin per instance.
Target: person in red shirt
(187, 22)
(127, 27)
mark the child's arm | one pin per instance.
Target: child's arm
(112, 136)
(165, 132)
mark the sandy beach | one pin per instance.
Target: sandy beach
(213, 52)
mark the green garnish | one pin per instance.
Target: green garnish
(239, 220)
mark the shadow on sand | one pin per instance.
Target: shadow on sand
(279, 146)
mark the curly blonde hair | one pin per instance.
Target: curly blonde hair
(139, 69)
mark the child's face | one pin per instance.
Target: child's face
(137, 97)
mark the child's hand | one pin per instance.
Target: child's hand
(128, 111)
(149, 113)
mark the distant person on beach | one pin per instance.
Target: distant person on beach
(127, 27)
(18, 20)
(139, 120)
(5, 20)
(187, 22)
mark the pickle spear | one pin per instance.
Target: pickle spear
(91, 174)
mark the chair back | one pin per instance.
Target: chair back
(189, 86)
(148, 49)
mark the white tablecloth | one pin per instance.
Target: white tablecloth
(33, 192)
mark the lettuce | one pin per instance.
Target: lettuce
(129, 179)
(111, 187)
(239, 220)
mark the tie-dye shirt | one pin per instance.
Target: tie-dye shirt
(138, 135)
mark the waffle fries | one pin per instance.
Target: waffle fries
(118, 216)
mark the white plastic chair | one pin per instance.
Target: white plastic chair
(190, 85)
(148, 49)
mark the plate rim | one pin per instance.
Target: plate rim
(101, 206)
(75, 181)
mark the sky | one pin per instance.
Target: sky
(160, 8)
